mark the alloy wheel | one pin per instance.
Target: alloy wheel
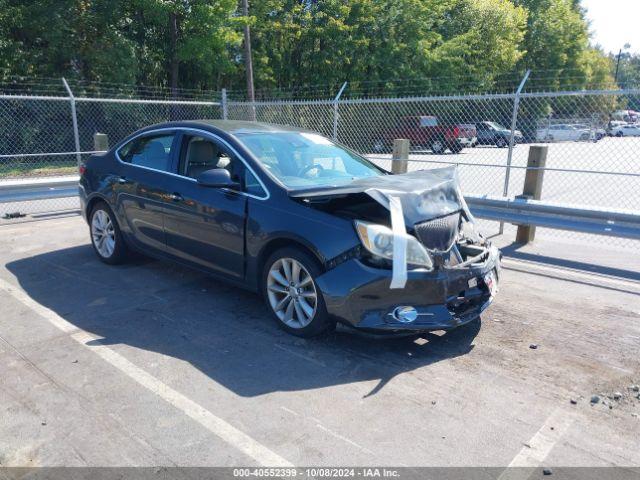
(103, 233)
(292, 293)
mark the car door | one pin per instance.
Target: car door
(564, 133)
(485, 133)
(573, 133)
(143, 187)
(205, 226)
(409, 130)
(631, 131)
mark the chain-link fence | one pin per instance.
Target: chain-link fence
(593, 150)
(593, 137)
(47, 136)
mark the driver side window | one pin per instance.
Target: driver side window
(199, 154)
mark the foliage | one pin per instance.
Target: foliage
(557, 47)
(376, 45)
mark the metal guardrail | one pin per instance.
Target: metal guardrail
(519, 211)
(38, 189)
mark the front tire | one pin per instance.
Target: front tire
(106, 236)
(381, 146)
(501, 142)
(292, 295)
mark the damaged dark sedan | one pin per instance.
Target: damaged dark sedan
(321, 232)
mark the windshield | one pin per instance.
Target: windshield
(303, 160)
(497, 126)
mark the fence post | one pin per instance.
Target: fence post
(225, 106)
(100, 142)
(74, 119)
(335, 111)
(514, 120)
(534, 176)
(400, 157)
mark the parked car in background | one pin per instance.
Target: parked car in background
(595, 133)
(562, 132)
(492, 133)
(627, 116)
(627, 130)
(429, 132)
(613, 126)
(291, 214)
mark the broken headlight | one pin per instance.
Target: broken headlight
(378, 240)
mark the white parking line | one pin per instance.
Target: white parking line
(219, 427)
(538, 448)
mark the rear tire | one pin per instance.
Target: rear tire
(438, 146)
(290, 291)
(106, 237)
(456, 148)
(501, 142)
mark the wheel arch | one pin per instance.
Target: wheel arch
(281, 242)
(91, 203)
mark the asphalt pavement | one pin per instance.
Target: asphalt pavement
(152, 364)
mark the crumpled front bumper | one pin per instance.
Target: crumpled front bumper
(359, 295)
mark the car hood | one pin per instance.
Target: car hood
(508, 132)
(423, 194)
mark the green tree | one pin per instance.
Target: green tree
(377, 45)
(183, 42)
(65, 37)
(557, 47)
(307, 43)
(482, 39)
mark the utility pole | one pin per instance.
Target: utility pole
(626, 47)
(248, 62)
(173, 71)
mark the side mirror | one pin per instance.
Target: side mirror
(218, 178)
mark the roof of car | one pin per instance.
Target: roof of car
(232, 126)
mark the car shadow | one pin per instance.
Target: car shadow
(514, 250)
(223, 331)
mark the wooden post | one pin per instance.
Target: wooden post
(100, 142)
(400, 158)
(532, 190)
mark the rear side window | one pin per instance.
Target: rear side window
(152, 151)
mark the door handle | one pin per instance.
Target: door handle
(176, 197)
(122, 180)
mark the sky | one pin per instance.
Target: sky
(614, 23)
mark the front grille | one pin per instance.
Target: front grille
(440, 233)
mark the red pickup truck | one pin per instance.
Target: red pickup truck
(428, 132)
